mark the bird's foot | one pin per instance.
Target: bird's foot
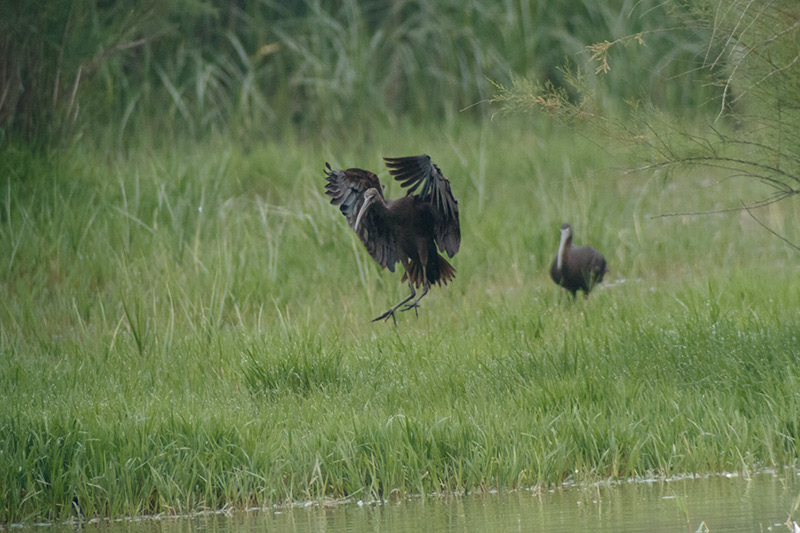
(413, 305)
(386, 315)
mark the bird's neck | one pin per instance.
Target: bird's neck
(562, 252)
(378, 206)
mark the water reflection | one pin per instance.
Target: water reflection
(719, 503)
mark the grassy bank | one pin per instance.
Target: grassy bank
(187, 327)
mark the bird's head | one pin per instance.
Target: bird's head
(566, 232)
(370, 196)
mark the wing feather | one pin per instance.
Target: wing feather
(346, 189)
(419, 172)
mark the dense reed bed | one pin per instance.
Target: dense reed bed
(256, 67)
(187, 327)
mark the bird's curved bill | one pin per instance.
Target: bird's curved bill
(560, 254)
(361, 212)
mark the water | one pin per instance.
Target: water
(764, 502)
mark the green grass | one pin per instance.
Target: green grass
(187, 327)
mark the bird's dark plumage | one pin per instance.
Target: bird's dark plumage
(577, 267)
(406, 229)
(346, 189)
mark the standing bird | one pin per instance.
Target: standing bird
(405, 229)
(577, 267)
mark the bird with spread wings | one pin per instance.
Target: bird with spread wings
(406, 229)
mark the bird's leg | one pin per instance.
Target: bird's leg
(390, 312)
(425, 286)
(415, 304)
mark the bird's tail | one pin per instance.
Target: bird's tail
(439, 271)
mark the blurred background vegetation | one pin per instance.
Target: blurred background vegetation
(169, 256)
(261, 68)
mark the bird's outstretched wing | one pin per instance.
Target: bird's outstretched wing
(416, 171)
(346, 189)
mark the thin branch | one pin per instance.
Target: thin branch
(730, 35)
(753, 47)
(781, 237)
(776, 70)
(720, 163)
(755, 205)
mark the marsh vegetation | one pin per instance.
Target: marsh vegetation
(185, 319)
